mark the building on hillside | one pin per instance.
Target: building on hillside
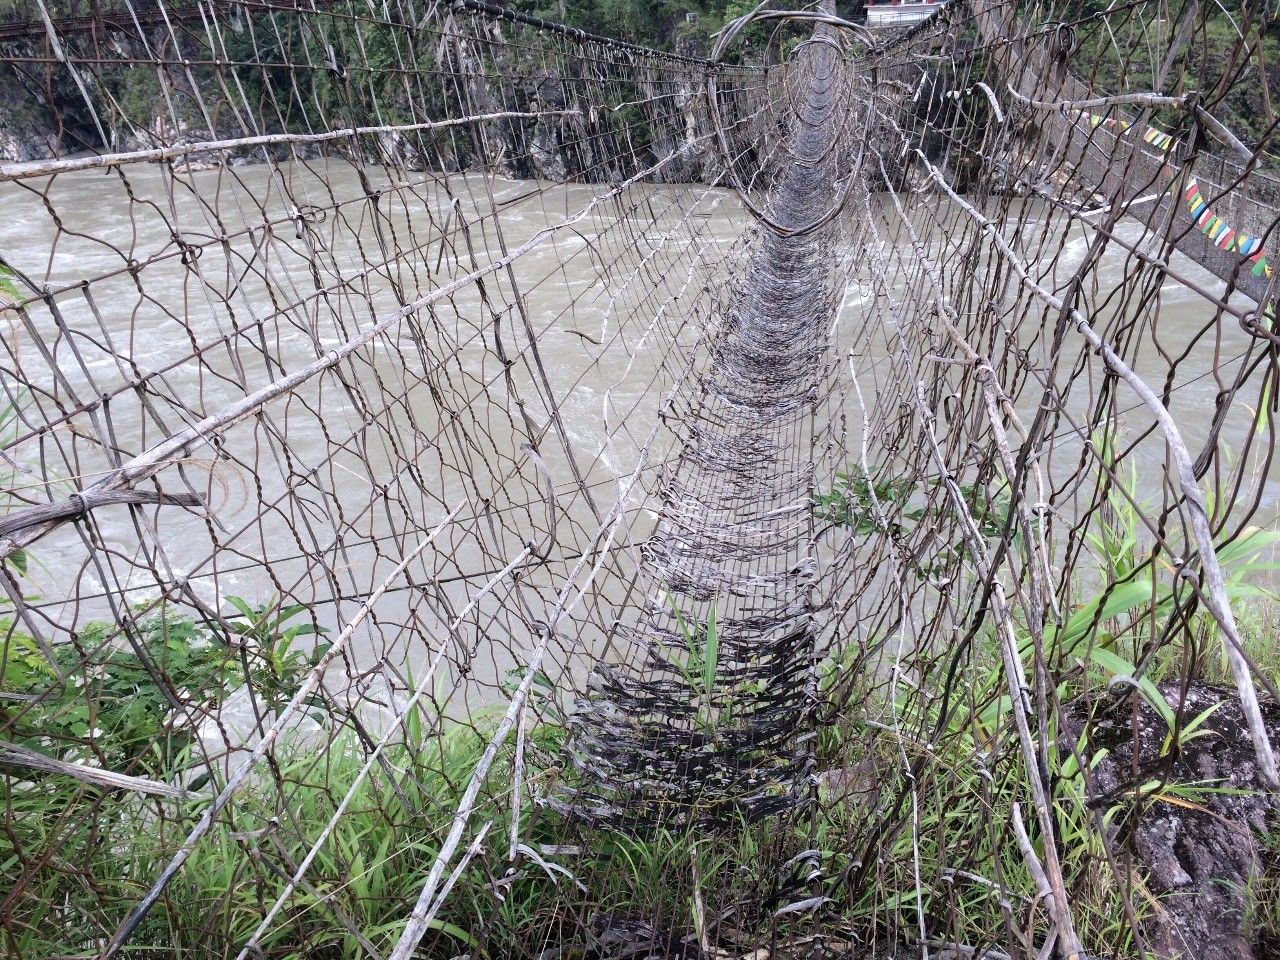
(895, 13)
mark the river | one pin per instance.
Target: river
(339, 481)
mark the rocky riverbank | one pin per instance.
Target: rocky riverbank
(108, 105)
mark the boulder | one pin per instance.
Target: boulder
(1190, 814)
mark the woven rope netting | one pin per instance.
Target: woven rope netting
(479, 488)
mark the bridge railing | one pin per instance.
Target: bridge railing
(443, 518)
(339, 341)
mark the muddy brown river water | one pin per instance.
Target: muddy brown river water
(607, 301)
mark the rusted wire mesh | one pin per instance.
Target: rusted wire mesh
(1060, 364)
(477, 488)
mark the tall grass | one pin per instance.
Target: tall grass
(102, 852)
(948, 787)
(911, 829)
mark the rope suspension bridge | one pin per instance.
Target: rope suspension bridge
(479, 488)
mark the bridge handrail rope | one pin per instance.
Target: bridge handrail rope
(1201, 240)
(724, 41)
(1235, 177)
(489, 488)
(180, 446)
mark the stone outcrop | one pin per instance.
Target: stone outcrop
(41, 119)
(1192, 815)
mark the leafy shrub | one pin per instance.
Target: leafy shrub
(134, 705)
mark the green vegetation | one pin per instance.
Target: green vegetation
(83, 857)
(1264, 900)
(131, 707)
(86, 855)
(663, 24)
(703, 643)
(1126, 631)
(1238, 82)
